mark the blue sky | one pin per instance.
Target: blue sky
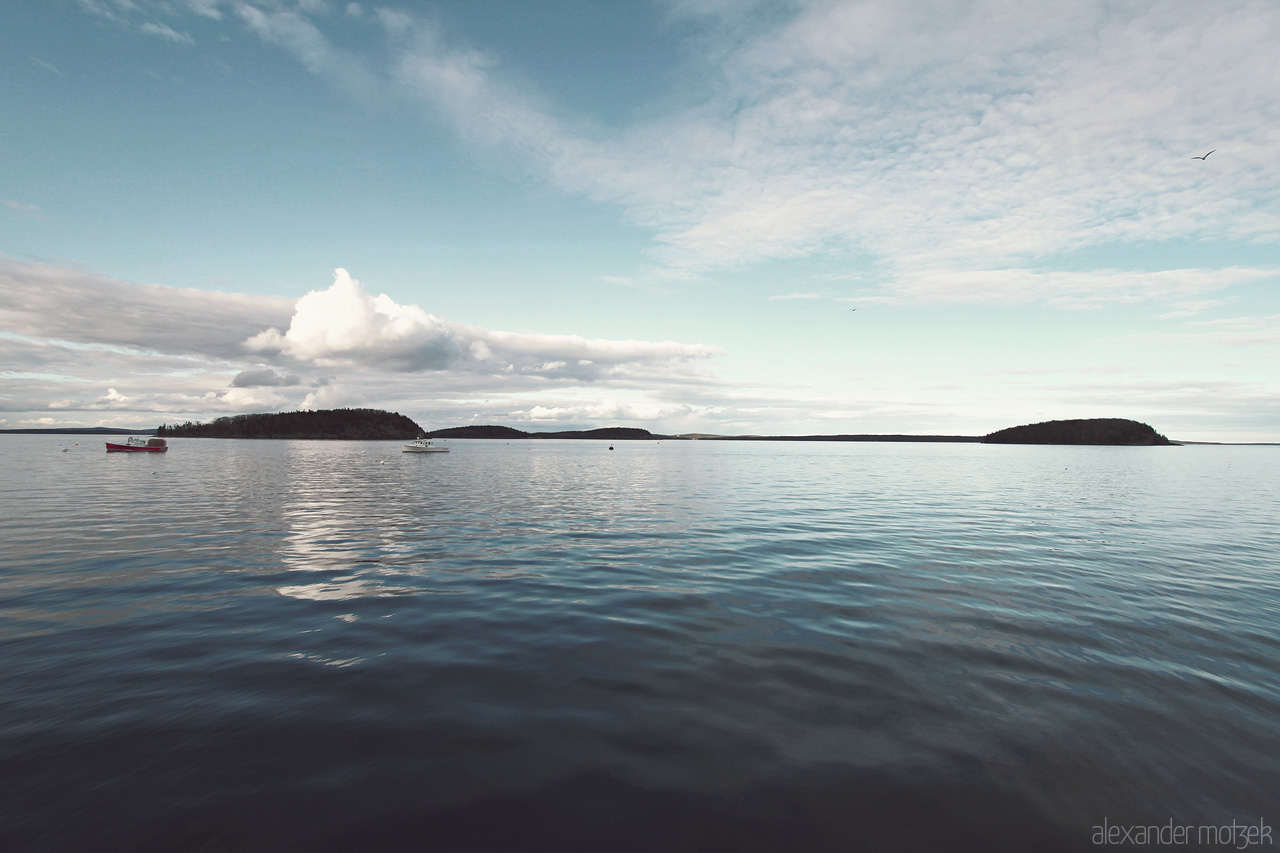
(657, 214)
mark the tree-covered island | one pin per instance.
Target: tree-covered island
(510, 433)
(1113, 431)
(348, 424)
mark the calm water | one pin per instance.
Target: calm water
(672, 646)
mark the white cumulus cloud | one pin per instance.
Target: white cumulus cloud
(345, 326)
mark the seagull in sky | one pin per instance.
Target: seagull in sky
(1201, 158)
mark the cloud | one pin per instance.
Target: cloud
(47, 66)
(1069, 289)
(1235, 331)
(970, 139)
(977, 131)
(47, 301)
(140, 16)
(206, 8)
(166, 32)
(264, 378)
(166, 354)
(341, 326)
(1190, 309)
(345, 326)
(973, 138)
(110, 9)
(605, 411)
(170, 406)
(937, 138)
(332, 397)
(297, 34)
(24, 211)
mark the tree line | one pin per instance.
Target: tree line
(351, 424)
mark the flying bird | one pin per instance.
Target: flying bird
(1201, 158)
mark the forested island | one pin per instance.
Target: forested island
(1112, 431)
(349, 424)
(610, 433)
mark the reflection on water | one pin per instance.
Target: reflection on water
(326, 645)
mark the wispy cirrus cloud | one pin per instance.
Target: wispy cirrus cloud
(969, 139)
(941, 140)
(23, 210)
(144, 16)
(295, 32)
(1190, 308)
(164, 31)
(47, 66)
(1070, 289)
(1235, 331)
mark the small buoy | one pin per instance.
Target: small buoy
(611, 447)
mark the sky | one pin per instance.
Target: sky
(691, 216)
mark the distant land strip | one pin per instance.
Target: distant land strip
(375, 425)
(1097, 431)
(634, 434)
(78, 431)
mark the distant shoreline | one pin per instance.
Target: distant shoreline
(563, 435)
(635, 434)
(937, 439)
(78, 431)
(497, 433)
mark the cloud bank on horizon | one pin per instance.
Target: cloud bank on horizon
(930, 154)
(178, 338)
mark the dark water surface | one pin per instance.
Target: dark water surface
(672, 646)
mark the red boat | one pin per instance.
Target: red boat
(138, 445)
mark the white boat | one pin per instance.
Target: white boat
(422, 445)
(139, 445)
